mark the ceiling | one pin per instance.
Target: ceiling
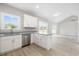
(53, 12)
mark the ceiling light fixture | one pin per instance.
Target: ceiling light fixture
(56, 14)
(37, 6)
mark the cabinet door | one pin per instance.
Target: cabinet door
(35, 38)
(9, 43)
(6, 44)
(42, 41)
(34, 22)
(30, 21)
(32, 38)
(17, 41)
(45, 41)
(26, 20)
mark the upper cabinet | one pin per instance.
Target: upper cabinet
(30, 21)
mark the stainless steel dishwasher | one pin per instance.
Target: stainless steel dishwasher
(26, 39)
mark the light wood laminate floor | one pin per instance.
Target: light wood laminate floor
(63, 47)
(34, 50)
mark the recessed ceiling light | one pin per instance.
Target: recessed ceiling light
(56, 14)
(37, 6)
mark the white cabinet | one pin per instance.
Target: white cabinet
(30, 21)
(35, 38)
(9, 43)
(17, 41)
(5, 44)
(44, 41)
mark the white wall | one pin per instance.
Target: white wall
(11, 10)
(78, 29)
(68, 27)
(14, 11)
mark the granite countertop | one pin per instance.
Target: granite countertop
(46, 34)
(10, 33)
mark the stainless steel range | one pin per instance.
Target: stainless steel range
(26, 39)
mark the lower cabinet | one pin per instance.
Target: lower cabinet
(8, 43)
(35, 38)
(44, 41)
(17, 41)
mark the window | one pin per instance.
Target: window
(10, 21)
(43, 27)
